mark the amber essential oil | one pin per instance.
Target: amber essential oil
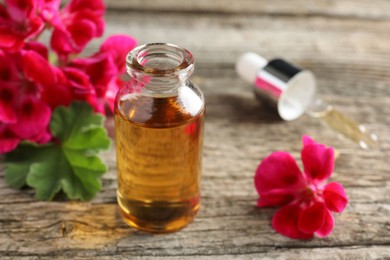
(159, 158)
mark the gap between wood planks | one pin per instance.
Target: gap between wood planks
(249, 13)
(346, 9)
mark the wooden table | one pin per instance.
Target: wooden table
(345, 43)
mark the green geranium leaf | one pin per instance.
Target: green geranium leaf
(71, 165)
(18, 164)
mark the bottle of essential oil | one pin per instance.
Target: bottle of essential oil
(159, 118)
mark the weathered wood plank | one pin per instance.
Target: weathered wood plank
(224, 226)
(369, 9)
(331, 39)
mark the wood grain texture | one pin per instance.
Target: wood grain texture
(346, 44)
(362, 9)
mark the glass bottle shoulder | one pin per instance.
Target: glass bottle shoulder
(161, 111)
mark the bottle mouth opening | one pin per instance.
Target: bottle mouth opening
(159, 60)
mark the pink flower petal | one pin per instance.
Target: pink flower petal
(42, 137)
(93, 18)
(21, 10)
(77, 24)
(77, 29)
(82, 88)
(19, 23)
(78, 81)
(4, 15)
(327, 227)
(335, 198)
(275, 198)
(38, 48)
(8, 140)
(8, 69)
(33, 118)
(285, 221)
(35, 27)
(61, 42)
(60, 93)
(100, 69)
(118, 46)
(278, 171)
(318, 160)
(8, 95)
(7, 113)
(307, 140)
(82, 31)
(37, 69)
(95, 5)
(10, 39)
(49, 10)
(312, 218)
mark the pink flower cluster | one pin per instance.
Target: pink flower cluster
(31, 87)
(306, 202)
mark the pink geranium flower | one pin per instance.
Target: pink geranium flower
(105, 66)
(33, 119)
(18, 23)
(306, 202)
(31, 87)
(76, 25)
(24, 114)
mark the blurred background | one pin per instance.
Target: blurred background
(345, 43)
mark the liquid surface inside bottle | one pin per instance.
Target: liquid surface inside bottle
(159, 157)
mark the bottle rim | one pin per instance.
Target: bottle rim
(179, 61)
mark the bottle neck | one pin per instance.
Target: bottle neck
(160, 68)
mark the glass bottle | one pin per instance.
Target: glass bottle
(159, 118)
